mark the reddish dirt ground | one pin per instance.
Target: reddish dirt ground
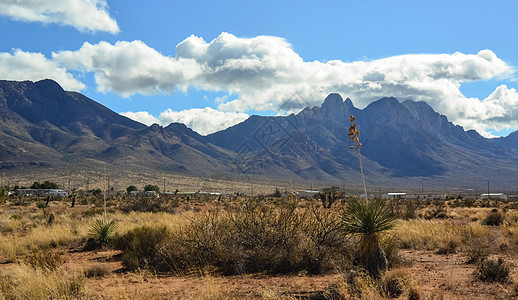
(438, 277)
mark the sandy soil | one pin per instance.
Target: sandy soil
(438, 277)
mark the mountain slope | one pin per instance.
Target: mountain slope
(43, 125)
(406, 140)
(407, 143)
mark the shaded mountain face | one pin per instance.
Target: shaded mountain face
(510, 141)
(403, 143)
(43, 125)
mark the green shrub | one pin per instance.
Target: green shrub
(141, 247)
(41, 204)
(16, 217)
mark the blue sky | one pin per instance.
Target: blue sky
(210, 64)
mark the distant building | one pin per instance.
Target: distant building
(58, 192)
(495, 196)
(150, 194)
(307, 194)
(396, 195)
(333, 189)
(42, 192)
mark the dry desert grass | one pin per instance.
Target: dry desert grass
(428, 256)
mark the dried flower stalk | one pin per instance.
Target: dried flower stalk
(354, 136)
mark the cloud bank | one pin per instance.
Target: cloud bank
(22, 65)
(202, 120)
(266, 74)
(84, 15)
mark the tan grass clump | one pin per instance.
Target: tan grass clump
(430, 234)
(25, 282)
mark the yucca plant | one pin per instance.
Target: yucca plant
(368, 219)
(103, 232)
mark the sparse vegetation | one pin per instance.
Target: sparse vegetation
(492, 270)
(208, 238)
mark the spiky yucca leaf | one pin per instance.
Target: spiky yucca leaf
(103, 231)
(366, 217)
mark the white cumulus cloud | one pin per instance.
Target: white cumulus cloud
(85, 15)
(21, 65)
(267, 74)
(202, 120)
(130, 67)
(142, 116)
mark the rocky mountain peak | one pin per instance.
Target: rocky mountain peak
(333, 101)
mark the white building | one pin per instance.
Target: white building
(58, 192)
(307, 194)
(495, 196)
(396, 195)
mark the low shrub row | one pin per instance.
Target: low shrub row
(254, 239)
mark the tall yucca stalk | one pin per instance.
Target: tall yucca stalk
(368, 219)
(354, 135)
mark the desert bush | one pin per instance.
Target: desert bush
(96, 271)
(356, 284)
(405, 209)
(494, 218)
(448, 246)
(390, 246)
(41, 204)
(476, 251)
(45, 260)
(400, 282)
(437, 212)
(141, 247)
(16, 217)
(259, 238)
(492, 271)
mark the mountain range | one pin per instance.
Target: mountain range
(404, 143)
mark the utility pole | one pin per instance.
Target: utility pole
(164, 186)
(488, 190)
